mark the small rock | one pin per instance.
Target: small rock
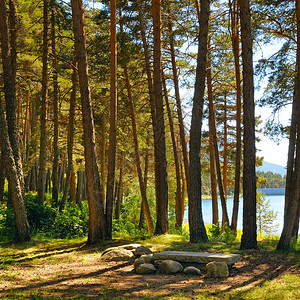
(170, 266)
(139, 261)
(192, 270)
(141, 251)
(147, 258)
(146, 269)
(118, 255)
(217, 269)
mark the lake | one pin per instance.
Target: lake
(276, 204)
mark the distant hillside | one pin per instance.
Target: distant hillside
(276, 169)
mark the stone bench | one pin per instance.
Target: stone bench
(197, 257)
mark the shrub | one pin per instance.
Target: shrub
(72, 222)
(217, 233)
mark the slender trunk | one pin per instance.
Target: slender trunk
(2, 174)
(110, 184)
(234, 13)
(292, 194)
(178, 104)
(225, 149)
(9, 80)
(102, 154)
(249, 237)
(21, 223)
(137, 155)
(178, 198)
(162, 224)
(213, 176)
(197, 229)
(70, 143)
(212, 150)
(212, 120)
(97, 223)
(43, 123)
(79, 188)
(55, 110)
(119, 190)
(142, 213)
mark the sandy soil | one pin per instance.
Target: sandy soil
(74, 272)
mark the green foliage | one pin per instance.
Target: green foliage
(265, 216)
(7, 223)
(217, 233)
(272, 180)
(40, 217)
(72, 222)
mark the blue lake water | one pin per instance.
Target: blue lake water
(276, 204)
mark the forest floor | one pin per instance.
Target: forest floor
(70, 270)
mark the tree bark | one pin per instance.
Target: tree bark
(137, 155)
(21, 223)
(43, 123)
(9, 80)
(178, 105)
(178, 198)
(292, 192)
(249, 237)
(119, 190)
(55, 109)
(238, 153)
(212, 151)
(110, 184)
(70, 143)
(2, 174)
(197, 229)
(97, 223)
(162, 224)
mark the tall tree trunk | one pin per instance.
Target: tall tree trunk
(9, 80)
(102, 154)
(97, 223)
(178, 104)
(178, 198)
(43, 123)
(234, 13)
(212, 151)
(137, 155)
(2, 174)
(21, 223)
(212, 120)
(110, 184)
(249, 237)
(292, 191)
(142, 213)
(55, 109)
(197, 229)
(70, 143)
(119, 190)
(225, 149)
(162, 224)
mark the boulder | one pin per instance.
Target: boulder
(170, 267)
(132, 247)
(192, 270)
(147, 258)
(118, 255)
(145, 269)
(216, 269)
(139, 261)
(141, 250)
(196, 257)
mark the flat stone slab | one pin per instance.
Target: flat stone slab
(197, 257)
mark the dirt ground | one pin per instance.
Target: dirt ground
(71, 272)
